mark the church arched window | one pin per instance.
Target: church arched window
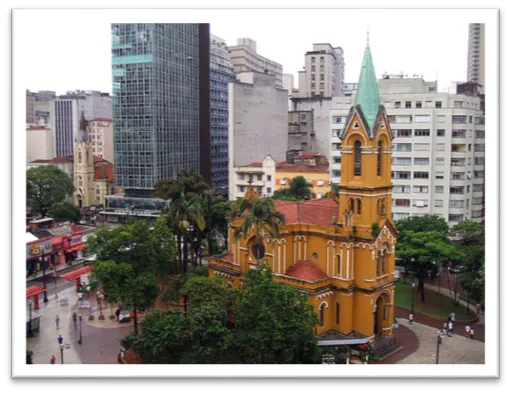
(322, 314)
(358, 158)
(359, 206)
(378, 168)
(338, 266)
(382, 211)
(79, 157)
(352, 205)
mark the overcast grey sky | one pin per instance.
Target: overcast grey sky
(72, 50)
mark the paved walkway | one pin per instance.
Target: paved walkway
(101, 339)
(453, 350)
(407, 340)
(44, 344)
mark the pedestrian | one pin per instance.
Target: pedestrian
(449, 318)
(80, 298)
(410, 318)
(57, 321)
(453, 315)
(75, 316)
(450, 329)
(467, 331)
(53, 359)
(478, 308)
(471, 333)
(444, 330)
(60, 339)
(121, 356)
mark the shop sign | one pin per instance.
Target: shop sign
(39, 248)
(75, 240)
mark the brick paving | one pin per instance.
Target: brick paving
(408, 342)
(453, 350)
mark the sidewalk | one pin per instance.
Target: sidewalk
(49, 272)
(453, 350)
(44, 344)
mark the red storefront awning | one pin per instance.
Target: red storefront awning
(75, 274)
(75, 248)
(35, 290)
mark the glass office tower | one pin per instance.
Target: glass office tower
(155, 72)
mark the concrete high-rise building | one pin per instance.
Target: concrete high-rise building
(289, 85)
(161, 115)
(323, 74)
(244, 57)
(65, 112)
(30, 118)
(258, 120)
(222, 73)
(438, 149)
(39, 143)
(101, 135)
(476, 54)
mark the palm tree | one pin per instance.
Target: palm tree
(261, 215)
(187, 213)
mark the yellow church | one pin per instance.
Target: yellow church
(339, 250)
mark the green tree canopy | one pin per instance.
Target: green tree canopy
(187, 182)
(65, 211)
(427, 223)
(420, 249)
(298, 189)
(274, 323)
(263, 216)
(46, 186)
(130, 260)
(468, 232)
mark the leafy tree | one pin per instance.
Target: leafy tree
(469, 237)
(187, 213)
(298, 188)
(65, 211)
(262, 215)
(187, 182)
(468, 232)
(202, 290)
(282, 195)
(426, 223)
(130, 260)
(274, 323)
(420, 249)
(333, 189)
(165, 337)
(46, 186)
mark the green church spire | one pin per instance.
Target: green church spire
(368, 95)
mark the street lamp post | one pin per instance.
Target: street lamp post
(56, 292)
(413, 298)
(29, 317)
(81, 318)
(438, 342)
(61, 353)
(42, 260)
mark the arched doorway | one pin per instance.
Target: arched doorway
(382, 320)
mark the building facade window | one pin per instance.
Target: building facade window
(439, 189)
(421, 161)
(378, 168)
(401, 189)
(440, 161)
(421, 132)
(440, 133)
(420, 175)
(358, 159)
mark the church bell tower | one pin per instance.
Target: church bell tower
(83, 168)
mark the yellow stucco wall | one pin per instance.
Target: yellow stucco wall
(358, 266)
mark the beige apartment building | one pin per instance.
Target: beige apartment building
(101, 134)
(39, 143)
(244, 57)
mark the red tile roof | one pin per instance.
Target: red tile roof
(103, 170)
(307, 271)
(256, 164)
(317, 211)
(55, 160)
(37, 128)
(284, 167)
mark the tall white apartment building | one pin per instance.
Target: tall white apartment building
(475, 58)
(244, 57)
(101, 134)
(438, 157)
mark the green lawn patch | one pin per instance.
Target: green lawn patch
(436, 304)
